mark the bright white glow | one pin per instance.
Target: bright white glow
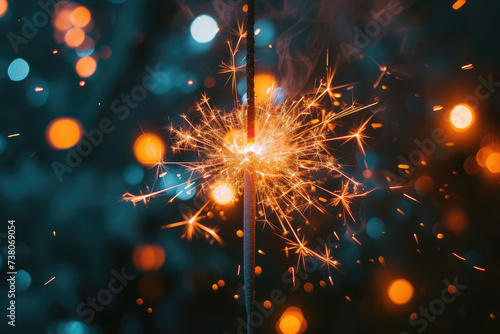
(223, 193)
(250, 148)
(461, 117)
(204, 28)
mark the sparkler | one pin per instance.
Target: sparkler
(276, 156)
(250, 191)
(280, 169)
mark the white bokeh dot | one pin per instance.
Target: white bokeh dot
(204, 28)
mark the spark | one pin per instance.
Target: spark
(231, 67)
(345, 198)
(304, 252)
(357, 241)
(13, 135)
(358, 135)
(50, 280)
(413, 199)
(458, 4)
(193, 227)
(460, 257)
(468, 67)
(383, 72)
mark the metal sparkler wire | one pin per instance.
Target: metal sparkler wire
(250, 190)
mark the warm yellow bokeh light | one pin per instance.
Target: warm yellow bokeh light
(74, 37)
(4, 5)
(148, 257)
(471, 166)
(493, 162)
(461, 117)
(458, 4)
(223, 193)
(62, 20)
(455, 220)
(264, 86)
(292, 322)
(425, 185)
(63, 133)
(400, 291)
(80, 17)
(86, 66)
(482, 155)
(149, 149)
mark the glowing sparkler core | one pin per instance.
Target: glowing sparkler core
(291, 147)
